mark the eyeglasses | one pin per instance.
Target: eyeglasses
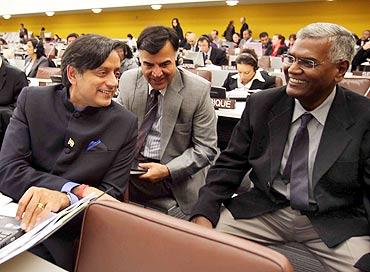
(302, 63)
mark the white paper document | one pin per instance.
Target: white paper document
(42, 230)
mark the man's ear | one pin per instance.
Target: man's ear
(71, 74)
(342, 67)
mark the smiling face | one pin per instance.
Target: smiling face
(311, 86)
(94, 88)
(160, 68)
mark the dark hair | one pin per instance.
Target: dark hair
(154, 38)
(38, 46)
(281, 38)
(215, 30)
(204, 38)
(230, 23)
(249, 51)
(3, 41)
(294, 36)
(130, 36)
(126, 49)
(263, 34)
(247, 58)
(43, 28)
(177, 21)
(75, 35)
(88, 52)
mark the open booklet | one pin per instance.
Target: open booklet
(43, 230)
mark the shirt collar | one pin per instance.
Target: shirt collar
(162, 92)
(1, 61)
(257, 76)
(320, 113)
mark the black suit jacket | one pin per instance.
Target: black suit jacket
(341, 177)
(218, 57)
(232, 83)
(12, 81)
(46, 145)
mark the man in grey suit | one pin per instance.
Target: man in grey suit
(181, 139)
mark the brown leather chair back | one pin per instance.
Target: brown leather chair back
(202, 73)
(47, 72)
(122, 237)
(358, 85)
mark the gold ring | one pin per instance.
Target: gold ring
(41, 206)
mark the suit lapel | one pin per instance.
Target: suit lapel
(170, 110)
(335, 137)
(140, 97)
(279, 125)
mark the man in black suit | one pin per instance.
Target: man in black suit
(211, 55)
(12, 81)
(244, 26)
(66, 141)
(308, 146)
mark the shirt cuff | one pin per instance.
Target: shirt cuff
(67, 188)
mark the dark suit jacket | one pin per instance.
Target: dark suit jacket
(218, 57)
(46, 144)
(341, 178)
(41, 62)
(232, 83)
(12, 81)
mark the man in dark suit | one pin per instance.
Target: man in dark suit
(249, 76)
(308, 146)
(244, 26)
(12, 81)
(84, 145)
(211, 55)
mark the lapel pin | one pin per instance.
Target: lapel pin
(71, 143)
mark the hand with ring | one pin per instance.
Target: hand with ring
(36, 203)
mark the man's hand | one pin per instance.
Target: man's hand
(202, 221)
(36, 203)
(156, 171)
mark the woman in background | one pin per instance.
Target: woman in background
(176, 26)
(126, 57)
(36, 57)
(278, 46)
(229, 31)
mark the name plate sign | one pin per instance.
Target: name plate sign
(219, 103)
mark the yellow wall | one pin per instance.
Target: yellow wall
(284, 18)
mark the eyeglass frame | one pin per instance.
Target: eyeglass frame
(314, 63)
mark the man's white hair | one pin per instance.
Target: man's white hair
(342, 41)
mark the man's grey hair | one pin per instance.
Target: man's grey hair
(342, 41)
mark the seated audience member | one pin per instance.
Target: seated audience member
(125, 55)
(36, 57)
(247, 38)
(307, 145)
(192, 41)
(3, 42)
(291, 40)
(177, 135)
(12, 81)
(215, 39)
(266, 43)
(71, 38)
(236, 40)
(249, 76)
(278, 46)
(362, 55)
(85, 145)
(211, 55)
(365, 38)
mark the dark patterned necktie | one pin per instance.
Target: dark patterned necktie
(148, 121)
(296, 169)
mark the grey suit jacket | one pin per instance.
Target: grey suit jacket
(189, 137)
(41, 62)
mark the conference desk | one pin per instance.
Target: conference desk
(28, 262)
(232, 113)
